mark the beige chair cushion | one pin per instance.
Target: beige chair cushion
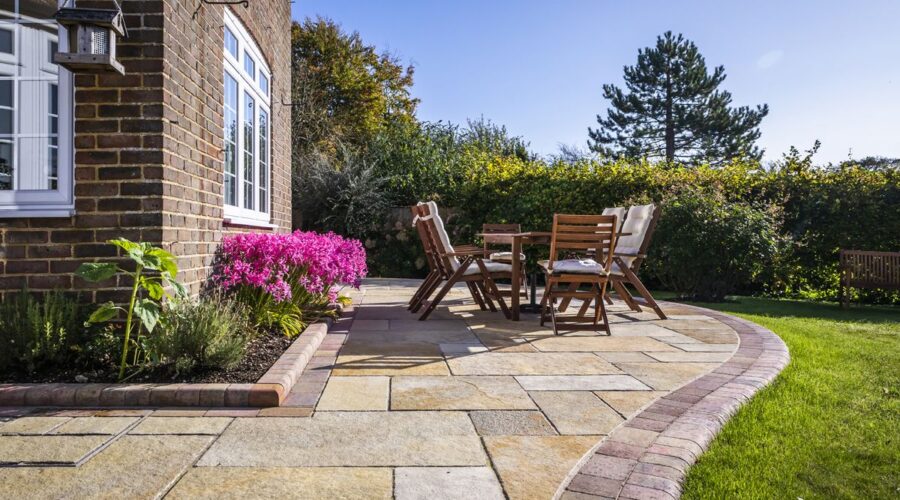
(574, 266)
(619, 212)
(637, 222)
(505, 256)
(492, 267)
(442, 233)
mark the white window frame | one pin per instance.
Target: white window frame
(248, 84)
(59, 202)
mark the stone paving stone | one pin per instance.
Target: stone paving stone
(638, 329)
(626, 357)
(511, 423)
(430, 326)
(355, 394)
(533, 467)
(370, 324)
(598, 343)
(461, 349)
(524, 363)
(703, 347)
(447, 483)
(284, 482)
(363, 439)
(95, 425)
(577, 412)
(688, 357)
(629, 402)
(182, 425)
(377, 344)
(49, 449)
(666, 376)
(131, 467)
(458, 393)
(32, 425)
(710, 336)
(495, 342)
(581, 383)
(379, 364)
(460, 335)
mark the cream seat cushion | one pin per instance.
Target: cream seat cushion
(574, 266)
(505, 256)
(492, 267)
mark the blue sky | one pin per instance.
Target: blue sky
(829, 70)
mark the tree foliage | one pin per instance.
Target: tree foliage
(672, 109)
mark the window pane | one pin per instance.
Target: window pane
(6, 165)
(231, 125)
(249, 64)
(263, 83)
(231, 44)
(249, 115)
(263, 159)
(6, 41)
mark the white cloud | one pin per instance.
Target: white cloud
(769, 59)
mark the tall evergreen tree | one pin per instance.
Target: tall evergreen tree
(673, 109)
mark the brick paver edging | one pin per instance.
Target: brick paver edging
(649, 455)
(268, 391)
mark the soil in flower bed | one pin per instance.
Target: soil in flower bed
(261, 354)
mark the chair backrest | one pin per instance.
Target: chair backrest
(618, 212)
(582, 233)
(640, 224)
(419, 211)
(499, 228)
(439, 236)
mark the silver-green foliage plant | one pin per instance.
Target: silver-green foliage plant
(154, 270)
(38, 331)
(197, 334)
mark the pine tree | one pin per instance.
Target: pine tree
(673, 110)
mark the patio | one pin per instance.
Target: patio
(464, 405)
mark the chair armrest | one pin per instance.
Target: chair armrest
(625, 254)
(464, 252)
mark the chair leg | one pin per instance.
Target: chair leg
(623, 292)
(446, 289)
(633, 279)
(564, 304)
(608, 299)
(552, 309)
(492, 288)
(476, 296)
(486, 295)
(426, 285)
(425, 294)
(602, 308)
(545, 301)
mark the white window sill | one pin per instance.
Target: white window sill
(20, 213)
(245, 222)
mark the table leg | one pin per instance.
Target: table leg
(516, 277)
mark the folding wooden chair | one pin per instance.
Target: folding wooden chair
(434, 270)
(458, 265)
(573, 235)
(630, 252)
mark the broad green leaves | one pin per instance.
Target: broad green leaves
(96, 271)
(105, 313)
(148, 311)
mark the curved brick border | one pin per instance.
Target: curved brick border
(648, 457)
(270, 390)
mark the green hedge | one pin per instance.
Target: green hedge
(803, 214)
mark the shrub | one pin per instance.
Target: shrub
(198, 334)
(287, 280)
(705, 247)
(38, 331)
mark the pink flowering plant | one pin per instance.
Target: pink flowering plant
(288, 280)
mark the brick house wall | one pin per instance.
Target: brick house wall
(149, 145)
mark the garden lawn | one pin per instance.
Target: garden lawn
(829, 425)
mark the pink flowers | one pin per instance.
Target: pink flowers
(284, 265)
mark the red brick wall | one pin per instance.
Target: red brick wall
(148, 149)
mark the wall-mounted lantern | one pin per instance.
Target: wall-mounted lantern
(92, 39)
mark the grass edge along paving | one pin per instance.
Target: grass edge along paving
(829, 425)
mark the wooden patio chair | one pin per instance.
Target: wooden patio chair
(631, 250)
(504, 256)
(463, 264)
(434, 271)
(573, 235)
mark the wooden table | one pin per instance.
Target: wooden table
(517, 240)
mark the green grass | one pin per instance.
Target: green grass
(829, 426)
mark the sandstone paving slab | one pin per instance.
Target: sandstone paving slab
(355, 394)
(638, 329)
(704, 347)
(666, 376)
(699, 323)
(710, 336)
(284, 482)
(531, 363)
(457, 349)
(377, 344)
(47, 449)
(458, 393)
(460, 336)
(95, 425)
(447, 483)
(577, 412)
(625, 357)
(383, 364)
(182, 425)
(370, 324)
(432, 325)
(131, 467)
(358, 439)
(511, 423)
(629, 402)
(495, 342)
(581, 383)
(682, 357)
(599, 343)
(32, 425)
(534, 467)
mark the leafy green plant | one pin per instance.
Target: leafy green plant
(145, 257)
(37, 331)
(195, 334)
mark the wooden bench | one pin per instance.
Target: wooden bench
(867, 269)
